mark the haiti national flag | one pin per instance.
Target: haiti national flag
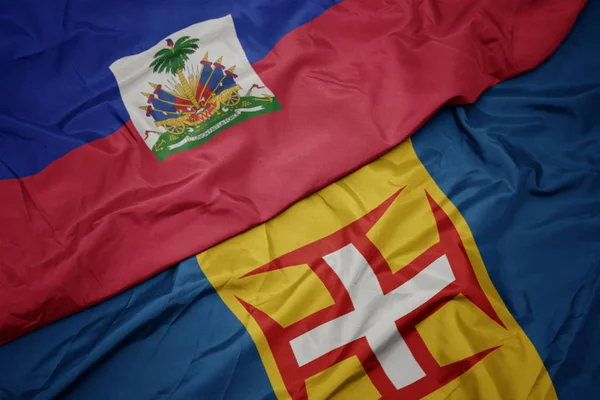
(462, 264)
(135, 134)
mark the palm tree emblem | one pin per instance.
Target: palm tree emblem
(200, 97)
(172, 61)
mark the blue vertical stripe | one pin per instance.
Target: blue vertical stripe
(169, 338)
(522, 165)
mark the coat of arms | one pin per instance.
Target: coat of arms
(190, 95)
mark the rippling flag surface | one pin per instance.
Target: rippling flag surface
(135, 134)
(487, 216)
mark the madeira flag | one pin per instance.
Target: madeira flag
(462, 264)
(135, 134)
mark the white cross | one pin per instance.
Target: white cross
(374, 314)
